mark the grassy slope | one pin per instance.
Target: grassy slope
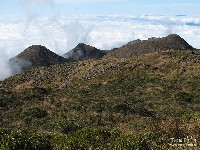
(153, 92)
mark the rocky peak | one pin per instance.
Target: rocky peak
(34, 56)
(84, 52)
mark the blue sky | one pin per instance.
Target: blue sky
(101, 7)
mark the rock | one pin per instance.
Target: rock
(84, 52)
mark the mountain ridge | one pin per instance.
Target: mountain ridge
(37, 55)
(138, 47)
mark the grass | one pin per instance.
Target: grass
(149, 96)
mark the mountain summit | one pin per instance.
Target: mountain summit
(34, 56)
(84, 52)
(138, 47)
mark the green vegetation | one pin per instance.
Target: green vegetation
(21, 139)
(113, 103)
(87, 138)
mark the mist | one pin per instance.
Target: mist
(5, 70)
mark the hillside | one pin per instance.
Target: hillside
(34, 56)
(84, 52)
(138, 47)
(155, 96)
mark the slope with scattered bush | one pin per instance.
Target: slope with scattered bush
(149, 98)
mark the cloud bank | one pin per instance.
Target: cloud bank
(62, 33)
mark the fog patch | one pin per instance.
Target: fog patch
(17, 65)
(5, 71)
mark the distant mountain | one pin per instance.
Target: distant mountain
(138, 47)
(34, 56)
(37, 55)
(84, 52)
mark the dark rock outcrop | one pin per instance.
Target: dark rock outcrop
(84, 52)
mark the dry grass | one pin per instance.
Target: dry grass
(135, 95)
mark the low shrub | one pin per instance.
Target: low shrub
(22, 140)
(95, 138)
(36, 112)
(124, 142)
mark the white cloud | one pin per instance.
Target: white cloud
(35, 2)
(62, 33)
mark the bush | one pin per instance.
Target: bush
(70, 127)
(124, 142)
(184, 96)
(84, 139)
(36, 93)
(3, 147)
(7, 99)
(21, 140)
(97, 138)
(36, 112)
(65, 126)
(3, 102)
